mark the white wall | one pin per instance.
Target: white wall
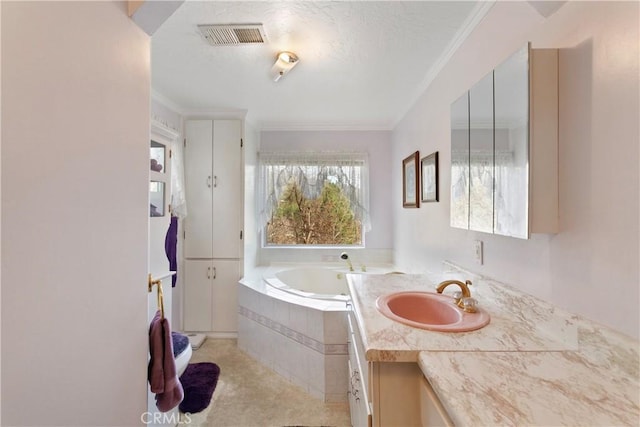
(379, 240)
(591, 266)
(75, 98)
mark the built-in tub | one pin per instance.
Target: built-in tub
(292, 318)
(311, 282)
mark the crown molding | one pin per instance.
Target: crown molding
(474, 18)
(165, 101)
(162, 129)
(325, 126)
(215, 113)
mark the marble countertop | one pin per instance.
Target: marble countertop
(534, 364)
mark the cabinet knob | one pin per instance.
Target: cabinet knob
(208, 272)
(209, 181)
(215, 181)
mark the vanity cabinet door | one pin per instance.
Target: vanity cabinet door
(359, 392)
(432, 414)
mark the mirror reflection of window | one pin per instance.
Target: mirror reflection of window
(156, 198)
(460, 162)
(157, 157)
(481, 155)
(511, 142)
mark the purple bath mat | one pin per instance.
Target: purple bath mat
(198, 381)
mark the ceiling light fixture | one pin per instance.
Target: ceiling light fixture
(285, 61)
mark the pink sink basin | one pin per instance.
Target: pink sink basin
(428, 310)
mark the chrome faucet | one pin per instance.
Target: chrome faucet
(345, 256)
(463, 298)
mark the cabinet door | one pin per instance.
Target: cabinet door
(198, 295)
(432, 413)
(226, 274)
(198, 186)
(227, 188)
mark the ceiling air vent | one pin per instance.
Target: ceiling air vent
(233, 34)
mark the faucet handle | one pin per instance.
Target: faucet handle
(457, 295)
(469, 305)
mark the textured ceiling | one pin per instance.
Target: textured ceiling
(362, 64)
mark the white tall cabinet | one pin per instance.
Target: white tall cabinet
(213, 226)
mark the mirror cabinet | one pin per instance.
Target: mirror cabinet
(481, 155)
(504, 148)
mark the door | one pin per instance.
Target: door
(226, 274)
(158, 264)
(227, 188)
(198, 274)
(210, 299)
(199, 182)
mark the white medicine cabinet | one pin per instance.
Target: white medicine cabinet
(504, 148)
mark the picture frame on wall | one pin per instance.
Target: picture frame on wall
(429, 177)
(411, 181)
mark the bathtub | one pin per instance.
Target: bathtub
(293, 319)
(311, 282)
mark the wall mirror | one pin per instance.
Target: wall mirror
(156, 198)
(511, 154)
(460, 162)
(481, 155)
(157, 157)
(491, 148)
(496, 187)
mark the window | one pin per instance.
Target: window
(319, 199)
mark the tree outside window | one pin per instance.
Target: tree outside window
(314, 198)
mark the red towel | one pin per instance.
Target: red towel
(162, 366)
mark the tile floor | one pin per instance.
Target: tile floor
(248, 394)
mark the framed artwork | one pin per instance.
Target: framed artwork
(429, 177)
(411, 181)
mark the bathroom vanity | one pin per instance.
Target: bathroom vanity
(533, 364)
(398, 392)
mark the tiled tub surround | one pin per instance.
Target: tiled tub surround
(534, 364)
(302, 339)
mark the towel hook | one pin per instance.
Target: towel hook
(157, 282)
